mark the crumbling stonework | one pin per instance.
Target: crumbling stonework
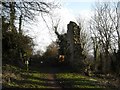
(73, 38)
(70, 40)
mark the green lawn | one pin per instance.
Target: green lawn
(39, 78)
(73, 80)
(16, 77)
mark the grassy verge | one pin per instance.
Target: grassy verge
(16, 77)
(39, 77)
(73, 80)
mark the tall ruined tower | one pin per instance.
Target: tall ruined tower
(70, 40)
(73, 39)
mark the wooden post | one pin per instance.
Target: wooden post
(26, 62)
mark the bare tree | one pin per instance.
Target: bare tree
(84, 36)
(21, 11)
(114, 14)
(25, 11)
(102, 26)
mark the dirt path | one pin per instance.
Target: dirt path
(52, 82)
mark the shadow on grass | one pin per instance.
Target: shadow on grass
(63, 82)
(38, 77)
(78, 83)
(35, 83)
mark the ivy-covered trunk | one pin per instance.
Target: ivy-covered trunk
(76, 51)
(12, 16)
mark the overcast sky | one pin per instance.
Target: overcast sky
(69, 10)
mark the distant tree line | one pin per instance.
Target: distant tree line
(105, 31)
(16, 46)
(103, 38)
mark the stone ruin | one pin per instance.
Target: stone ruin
(74, 44)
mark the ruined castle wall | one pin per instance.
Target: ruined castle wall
(70, 40)
(73, 37)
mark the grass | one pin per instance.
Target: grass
(16, 77)
(72, 80)
(38, 77)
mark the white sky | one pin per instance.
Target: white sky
(70, 9)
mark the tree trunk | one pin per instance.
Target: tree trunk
(12, 16)
(20, 24)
